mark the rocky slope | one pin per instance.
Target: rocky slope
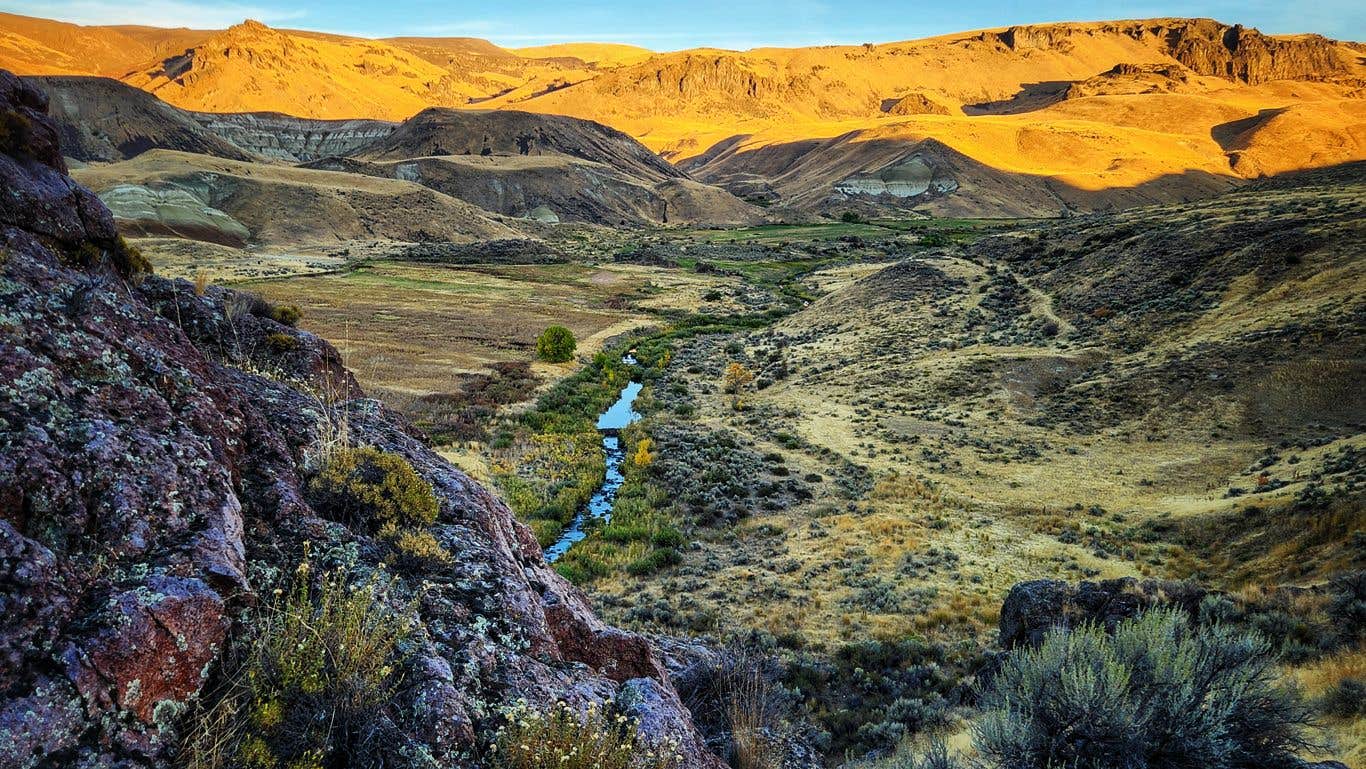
(151, 491)
(1086, 116)
(544, 167)
(36, 46)
(513, 163)
(101, 119)
(556, 188)
(254, 68)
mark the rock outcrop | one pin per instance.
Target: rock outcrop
(1033, 608)
(1242, 53)
(1204, 45)
(1133, 79)
(293, 139)
(151, 445)
(916, 103)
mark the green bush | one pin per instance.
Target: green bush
(281, 342)
(367, 488)
(1156, 693)
(657, 559)
(309, 686)
(414, 549)
(126, 258)
(288, 314)
(669, 537)
(1346, 699)
(556, 345)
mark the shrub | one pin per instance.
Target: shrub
(288, 314)
(657, 559)
(128, 259)
(1346, 699)
(556, 345)
(368, 488)
(563, 738)
(1156, 693)
(414, 549)
(936, 756)
(851, 217)
(736, 378)
(281, 342)
(669, 537)
(311, 685)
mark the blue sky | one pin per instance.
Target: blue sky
(670, 26)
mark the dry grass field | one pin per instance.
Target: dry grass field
(966, 419)
(412, 329)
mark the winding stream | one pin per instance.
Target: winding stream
(599, 507)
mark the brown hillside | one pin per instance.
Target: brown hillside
(224, 201)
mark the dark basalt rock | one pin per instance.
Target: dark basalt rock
(1033, 608)
(152, 442)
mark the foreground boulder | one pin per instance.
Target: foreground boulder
(152, 440)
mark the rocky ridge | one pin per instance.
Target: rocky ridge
(292, 139)
(151, 492)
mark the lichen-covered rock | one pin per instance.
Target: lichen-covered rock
(153, 446)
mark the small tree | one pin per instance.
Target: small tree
(556, 345)
(735, 381)
(736, 378)
(643, 456)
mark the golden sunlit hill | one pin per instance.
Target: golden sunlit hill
(1023, 120)
(30, 46)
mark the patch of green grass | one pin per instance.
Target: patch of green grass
(765, 233)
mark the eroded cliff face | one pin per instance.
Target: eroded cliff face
(151, 445)
(292, 139)
(1204, 45)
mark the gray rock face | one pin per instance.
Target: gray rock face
(293, 139)
(174, 211)
(909, 178)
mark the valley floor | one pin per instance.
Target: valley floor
(935, 412)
